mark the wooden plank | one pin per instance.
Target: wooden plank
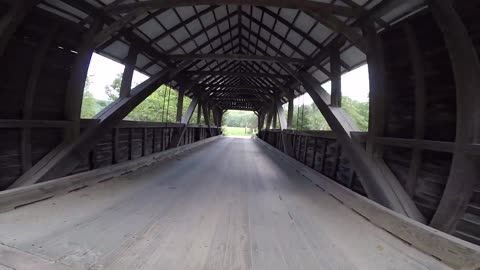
(13, 258)
(12, 198)
(464, 172)
(16, 123)
(453, 251)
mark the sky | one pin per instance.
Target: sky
(102, 72)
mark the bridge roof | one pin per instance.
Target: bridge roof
(232, 48)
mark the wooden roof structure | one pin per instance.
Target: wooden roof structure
(232, 45)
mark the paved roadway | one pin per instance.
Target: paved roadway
(231, 204)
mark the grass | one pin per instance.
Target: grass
(237, 131)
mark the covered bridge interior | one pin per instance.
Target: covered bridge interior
(105, 193)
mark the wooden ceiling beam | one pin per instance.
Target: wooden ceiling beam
(293, 4)
(237, 57)
(237, 74)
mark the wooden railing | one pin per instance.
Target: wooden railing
(320, 151)
(131, 140)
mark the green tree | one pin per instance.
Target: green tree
(160, 106)
(88, 102)
(88, 105)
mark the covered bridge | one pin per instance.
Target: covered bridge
(105, 193)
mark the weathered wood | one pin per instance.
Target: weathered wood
(290, 111)
(67, 155)
(269, 120)
(237, 74)
(303, 5)
(376, 186)
(10, 199)
(376, 72)
(206, 118)
(199, 112)
(336, 79)
(236, 57)
(180, 132)
(418, 65)
(178, 117)
(450, 250)
(464, 172)
(30, 90)
(15, 123)
(127, 76)
(287, 146)
(78, 76)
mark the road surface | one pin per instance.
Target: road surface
(230, 204)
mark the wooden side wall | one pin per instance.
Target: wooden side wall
(29, 132)
(320, 151)
(430, 171)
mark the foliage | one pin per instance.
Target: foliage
(237, 131)
(88, 105)
(243, 119)
(308, 117)
(161, 106)
(89, 102)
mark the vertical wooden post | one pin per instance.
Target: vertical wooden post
(78, 75)
(181, 93)
(336, 79)
(274, 117)
(464, 172)
(144, 142)
(290, 112)
(287, 146)
(269, 120)
(127, 76)
(376, 73)
(130, 143)
(416, 59)
(115, 149)
(199, 112)
(206, 117)
(30, 91)
(261, 120)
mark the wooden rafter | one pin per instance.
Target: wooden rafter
(294, 4)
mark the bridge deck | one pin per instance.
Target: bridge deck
(230, 204)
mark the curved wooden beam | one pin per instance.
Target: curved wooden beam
(464, 172)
